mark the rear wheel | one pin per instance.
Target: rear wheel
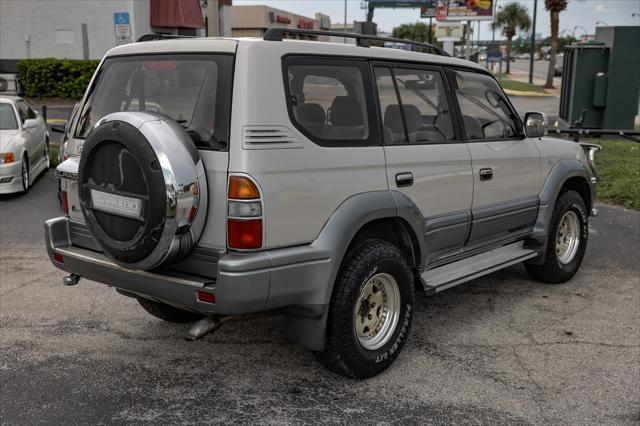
(567, 241)
(371, 311)
(167, 312)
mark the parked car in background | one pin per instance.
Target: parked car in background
(557, 71)
(62, 148)
(24, 145)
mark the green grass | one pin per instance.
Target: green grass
(619, 166)
(54, 155)
(520, 86)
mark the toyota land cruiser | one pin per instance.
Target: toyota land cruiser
(216, 177)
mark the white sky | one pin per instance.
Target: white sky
(584, 13)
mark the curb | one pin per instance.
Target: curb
(526, 94)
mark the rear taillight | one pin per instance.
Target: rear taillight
(65, 201)
(244, 214)
(244, 234)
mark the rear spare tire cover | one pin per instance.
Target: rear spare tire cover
(143, 190)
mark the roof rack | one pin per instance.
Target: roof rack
(150, 37)
(362, 40)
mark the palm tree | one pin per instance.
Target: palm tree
(512, 18)
(554, 7)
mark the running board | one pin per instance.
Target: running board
(452, 274)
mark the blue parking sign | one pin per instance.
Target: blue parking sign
(121, 18)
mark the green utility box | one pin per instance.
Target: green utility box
(601, 80)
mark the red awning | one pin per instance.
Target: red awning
(176, 14)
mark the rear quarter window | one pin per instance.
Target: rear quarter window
(330, 100)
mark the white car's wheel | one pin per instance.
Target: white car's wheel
(25, 174)
(47, 155)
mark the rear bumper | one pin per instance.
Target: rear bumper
(244, 283)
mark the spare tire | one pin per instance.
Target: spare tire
(143, 189)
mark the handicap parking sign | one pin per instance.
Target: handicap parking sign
(121, 18)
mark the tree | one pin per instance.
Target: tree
(511, 18)
(554, 7)
(416, 32)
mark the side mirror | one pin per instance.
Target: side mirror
(535, 124)
(30, 124)
(58, 128)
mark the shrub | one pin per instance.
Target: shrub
(49, 77)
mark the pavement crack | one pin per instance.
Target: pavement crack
(4, 293)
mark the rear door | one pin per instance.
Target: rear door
(506, 165)
(426, 159)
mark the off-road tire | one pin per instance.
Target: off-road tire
(168, 313)
(344, 354)
(552, 271)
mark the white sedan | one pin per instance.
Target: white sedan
(24, 145)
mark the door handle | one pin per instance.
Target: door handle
(404, 179)
(486, 173)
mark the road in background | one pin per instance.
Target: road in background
(501, 349)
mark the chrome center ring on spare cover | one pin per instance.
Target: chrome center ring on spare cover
(568, 237)
(377, 311)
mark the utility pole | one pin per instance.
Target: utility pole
(345, 20)
(533, 41)
(430, 29)
(493, 33)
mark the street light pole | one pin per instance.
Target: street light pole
(533, 41)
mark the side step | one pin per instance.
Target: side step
(452, 274)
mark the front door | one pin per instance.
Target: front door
(506, 165)
(426, 161)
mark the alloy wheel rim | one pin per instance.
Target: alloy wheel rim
(568, 237)
(377, 311)
(25, 175)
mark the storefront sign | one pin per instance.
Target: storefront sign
(305, 24)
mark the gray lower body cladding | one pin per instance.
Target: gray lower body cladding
(245, 283)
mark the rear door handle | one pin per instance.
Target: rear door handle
(486, 173)
(404, 179)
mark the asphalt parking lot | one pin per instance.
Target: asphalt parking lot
(501, 349)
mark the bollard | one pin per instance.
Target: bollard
(44, 113)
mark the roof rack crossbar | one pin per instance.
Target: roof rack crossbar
(277, 34)
(150, 37)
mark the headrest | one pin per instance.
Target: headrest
(310, 113)
(393, 118)
(346, 111)
(413, 117)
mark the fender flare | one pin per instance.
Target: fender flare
(306, 322)
(562, 171)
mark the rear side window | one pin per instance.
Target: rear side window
(486, 114)
(419, 113)
(194, 90)
(329, 100)
(25, 111)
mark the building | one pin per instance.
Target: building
(87, 29)
(253, 21)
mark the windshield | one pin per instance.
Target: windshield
(7, 117)
(194, 90)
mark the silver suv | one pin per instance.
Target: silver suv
(333, 182)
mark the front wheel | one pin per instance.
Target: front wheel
(567, 241)
(371, 311)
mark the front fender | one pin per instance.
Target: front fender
(562, 171)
